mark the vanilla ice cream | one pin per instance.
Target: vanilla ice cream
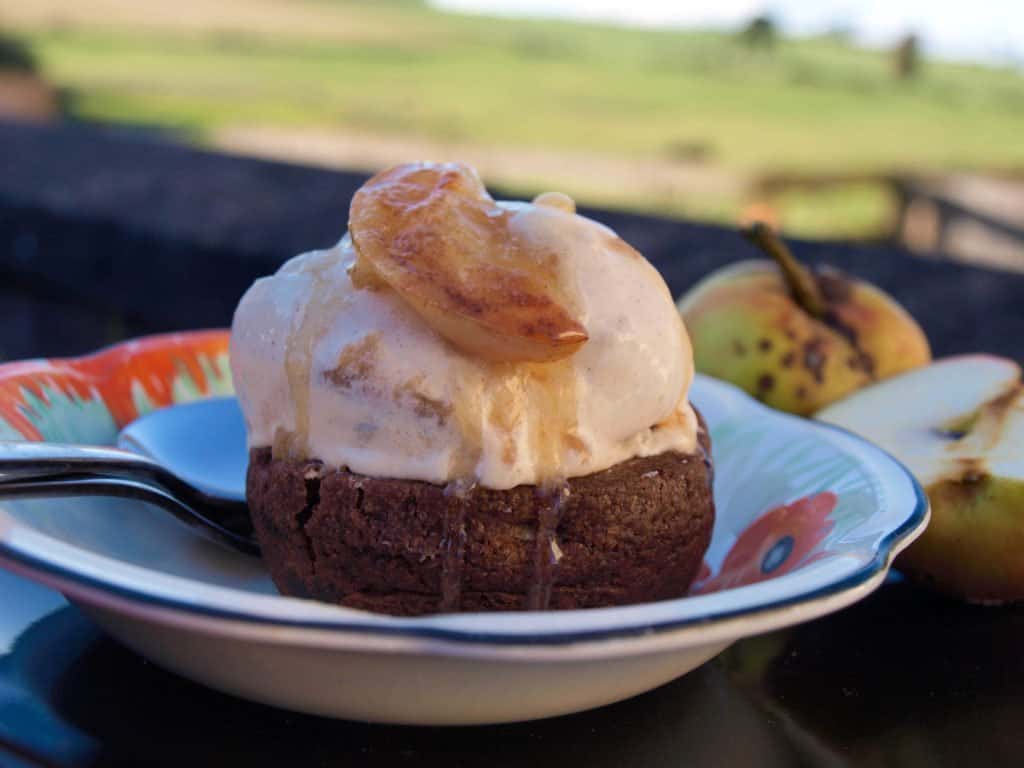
(334, 369)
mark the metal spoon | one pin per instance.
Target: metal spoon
(194, 467)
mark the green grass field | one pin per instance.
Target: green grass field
(808, 106)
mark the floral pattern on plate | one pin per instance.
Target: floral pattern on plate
(777, 542)
(88, 399)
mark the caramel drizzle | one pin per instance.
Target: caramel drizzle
(553, 428)
(316, 319)
(467, 410)
(453, 545)
(549, 502)
(549, 389)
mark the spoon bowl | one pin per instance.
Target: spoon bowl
(202, 443)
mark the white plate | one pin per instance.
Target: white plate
(214, 616)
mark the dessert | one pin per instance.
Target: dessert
(471, 405)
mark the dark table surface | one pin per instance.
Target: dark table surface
(104, 236)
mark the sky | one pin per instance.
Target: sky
(982, 30)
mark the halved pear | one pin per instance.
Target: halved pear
(958, 425)
(434, 235)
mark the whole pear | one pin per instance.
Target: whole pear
(958, 425)
(794, 338)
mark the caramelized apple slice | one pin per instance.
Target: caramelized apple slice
(434, 235)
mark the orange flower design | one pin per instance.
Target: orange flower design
(118, 378)
(778, 542)
(148, 365)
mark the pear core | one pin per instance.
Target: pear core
(958, 426)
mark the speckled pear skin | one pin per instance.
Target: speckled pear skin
(747, 329)
(974, 546)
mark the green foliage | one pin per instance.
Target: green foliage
(803, 106)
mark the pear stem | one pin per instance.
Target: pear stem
(801, 284)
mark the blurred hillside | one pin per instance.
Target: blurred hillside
(693, 123)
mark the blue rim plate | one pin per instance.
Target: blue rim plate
(809, 519)
(770, 469)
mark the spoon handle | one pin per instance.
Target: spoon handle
(121, 487)
(24, 460)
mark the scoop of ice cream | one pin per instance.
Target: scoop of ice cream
(333, 360)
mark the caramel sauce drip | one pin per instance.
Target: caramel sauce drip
(467, 411)
(544, 395)
(316, 319)
(453, 557)
(551, 392)
(467, 408)
(549, 501)
(453, 544)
